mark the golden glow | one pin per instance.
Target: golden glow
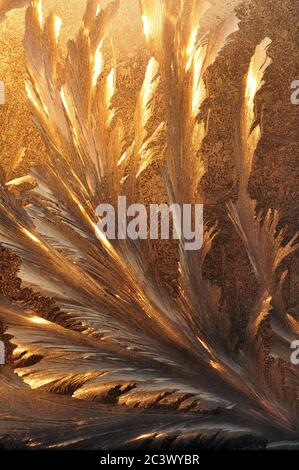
(110, 89)
(33, 238)
(21, 180)
(39, 320)
(94, 227)
(98, 65)
(258, 64)
(64, 101)
(80, 182)
(45, 109)
(18, 350)
(110, 84)
(122, 159)
(30, 235)
(75, 135)
(37, 383)
(57, 26)
(95, 144)
(251, 87)
(254, 81)
(198, 89)
(31, 96)
(204, 345)
(216, 365)
(151, 70)
(148, 88)
(154, 14)
(103, 239)
(40, 11)
(191, 47)
(146, 26)
(144, 436)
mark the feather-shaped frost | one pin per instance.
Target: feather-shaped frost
(119, 338)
